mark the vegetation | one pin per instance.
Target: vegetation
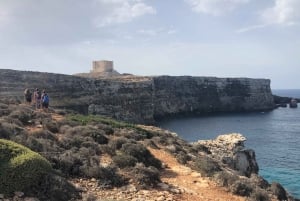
(20, 167)
(206, 166)
(93, 147)
(90, 119)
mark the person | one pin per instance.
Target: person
(45, 101)
(37, 98)
(27, 96)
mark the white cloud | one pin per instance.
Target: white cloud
(284, 12)
(156, 32)
(251, 28)
(122, 11)
(215, 7)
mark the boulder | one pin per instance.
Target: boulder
(230, 150)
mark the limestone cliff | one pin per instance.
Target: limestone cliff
(142, 99)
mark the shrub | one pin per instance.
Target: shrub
(150, 143)
(201, 148)
(108, 177)
(44, 134)
(117, 143)
(55, 188)
(241, 188)
(20, 167)
(34, 144)
(123, 160)
(52, 126)
(225, 179)
(99, 137)
(3, 106)
(9, 130)
(259, 181)
(145, 176)
(206, 166)
(142, 154)
(106, 128)
(11, 120)
(106, 149)
(22, 115)
(88, 131)
(182, 157)
(259, 195)
(69, 163)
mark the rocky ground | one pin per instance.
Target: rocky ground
(157, 165)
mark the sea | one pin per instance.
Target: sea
(274, 135)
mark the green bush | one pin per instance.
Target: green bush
(123, 160)
(9, 130)
(145, 176)
(241, 188)
(23, 115)
(20, 167)
(54, 188)
(182, 157)
(206, 166)
(225, 179)
(117, 143)
(259, 195)
(109, 177)
(141, 153)
(51, 126)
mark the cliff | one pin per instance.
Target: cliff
(142, 99)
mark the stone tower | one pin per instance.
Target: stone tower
(102, 66)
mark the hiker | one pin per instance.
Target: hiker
(45, 101)
(37, 98)
(27, 96)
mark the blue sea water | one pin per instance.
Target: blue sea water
(274, 135)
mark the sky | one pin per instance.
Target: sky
(222, 38)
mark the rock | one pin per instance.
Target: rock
(175, 190)
(229, 149)
(93, 180)
(163, 186)
(245, 162)
(293, 103)
(161, 198)
(278, 191)
(19, 194)
(1, 196)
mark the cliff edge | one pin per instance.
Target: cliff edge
(142, 99)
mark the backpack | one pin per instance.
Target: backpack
(45, 98)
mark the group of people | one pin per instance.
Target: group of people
(40, 99)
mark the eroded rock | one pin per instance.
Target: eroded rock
(230, 150)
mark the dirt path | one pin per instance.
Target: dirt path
(193, 186)
(181, 182)
(37, 126)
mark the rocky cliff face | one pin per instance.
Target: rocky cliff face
(209, 94)
(230, 150)
(142, 99)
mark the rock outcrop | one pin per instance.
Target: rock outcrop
(230, 150)
(142, 99)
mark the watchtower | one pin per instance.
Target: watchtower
(102, 66)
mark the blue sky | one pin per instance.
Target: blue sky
(223, 38)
